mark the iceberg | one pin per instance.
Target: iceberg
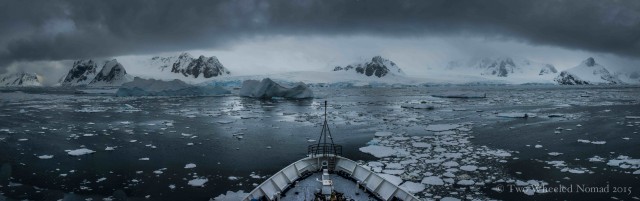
(152, 87)
(267, 89)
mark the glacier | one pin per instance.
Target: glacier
(152, 87)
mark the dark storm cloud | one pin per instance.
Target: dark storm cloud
(59, 29)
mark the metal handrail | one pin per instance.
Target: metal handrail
(324, 149)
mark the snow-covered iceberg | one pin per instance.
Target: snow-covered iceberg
(152, 87)
(267, 89)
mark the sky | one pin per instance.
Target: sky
(256, 36)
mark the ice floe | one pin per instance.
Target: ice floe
(189, 166)
(378, 151)
(231, 196)
(198, 182)
(79, 152)
(45, 156)
(442, 127)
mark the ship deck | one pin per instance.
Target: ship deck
(305, 189)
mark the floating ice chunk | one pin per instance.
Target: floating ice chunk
(632, 117)
(452, 155)
(110, 148)
(394, 166)
(538, 146)
(189, 166)
(466, 182)
(233, 178)
(22, 139)
(449, 199)
(557, 163)
(555, 153)
(231, 196)
(584, 141)
(598, 142)
(516, 115)
(500, 153)
(144, 159)
(575, 171)
(625, 161)
(46, 157)
(442, 127)
(395, 172)
(172, 186)
(224, 122)
(198, 182)
(636, 172)
(379, 151)
(432, 180)
(79, 152)
(412, 187)
(421, 144)
(383, 134)
(596, 159)
(450, 164)
(375, 164)
(391, 178)
(469, 168)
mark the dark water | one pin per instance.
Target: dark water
(276, 133)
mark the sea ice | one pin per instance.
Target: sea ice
(442, 127)
(378, 151)
(46, 157)
(189, 166)
(198, 182)
(391, 178)
(466, 182)
(383, 134)
(412, 187)
(432, 180)
(79, 152)
(469, 168)
(231, 196)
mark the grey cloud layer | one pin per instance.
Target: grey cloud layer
(60, 29)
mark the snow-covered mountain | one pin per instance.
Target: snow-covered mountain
(82, 73)
(112, 73)
(185, 64)
(588, 72)
(503, 67)
(87, 72)
(20, 80)
(378, 67)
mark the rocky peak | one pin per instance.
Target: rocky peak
(378, 66)
(589, 62)
(82, 72)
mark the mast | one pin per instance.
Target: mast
(325, 145)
